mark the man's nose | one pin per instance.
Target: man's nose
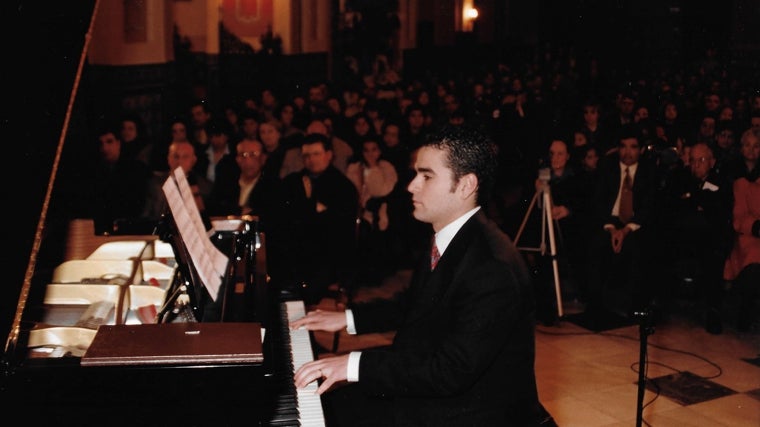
(412, 185)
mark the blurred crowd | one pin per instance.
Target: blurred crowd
(325, 171)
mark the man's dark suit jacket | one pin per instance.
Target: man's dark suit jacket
(608, 185)
(324, 243)
(267, 202)
(628, 269)
(464, 349)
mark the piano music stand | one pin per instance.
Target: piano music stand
(186, 280)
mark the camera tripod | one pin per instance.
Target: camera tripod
(547, 228)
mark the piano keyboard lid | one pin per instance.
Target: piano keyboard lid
(182, 344)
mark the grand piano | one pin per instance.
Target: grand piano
(99, 331)
(127, 334)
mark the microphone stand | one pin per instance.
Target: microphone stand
(645, 329)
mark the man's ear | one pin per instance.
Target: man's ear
(468, 185)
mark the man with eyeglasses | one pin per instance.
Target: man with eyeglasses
(324, 205)
(701, 223)
(249, 191)
(252, 192)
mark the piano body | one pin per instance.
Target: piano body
(82, 291)
(97, 345)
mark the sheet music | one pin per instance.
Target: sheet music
(194, 241)
(218, 258)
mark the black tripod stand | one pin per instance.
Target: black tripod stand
(547, 229)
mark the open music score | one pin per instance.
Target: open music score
(209, 262)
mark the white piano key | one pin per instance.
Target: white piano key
(309, 402)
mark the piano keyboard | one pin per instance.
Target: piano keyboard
(309, 404)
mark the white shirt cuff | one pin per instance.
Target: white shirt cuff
(350, 327)
(353, 366)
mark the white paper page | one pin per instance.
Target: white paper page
(218, 259)
(193, 240)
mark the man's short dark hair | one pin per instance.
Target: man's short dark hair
(249, 113)
(469, 150)
(629, 131)
(108, 125)
(317, 138)
(219, 127)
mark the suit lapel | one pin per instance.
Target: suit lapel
(433, 285)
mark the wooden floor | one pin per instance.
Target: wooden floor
(591, 379)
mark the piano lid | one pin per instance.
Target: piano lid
(41, 113)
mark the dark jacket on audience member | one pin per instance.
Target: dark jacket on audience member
(324, 243)
(267, 202)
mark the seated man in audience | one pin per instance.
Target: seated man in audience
(252, 192)
(324, 205)
(619, 241)
(216, 159)
(702, 230)
(116, 191)
(342, 153)
(181, 154)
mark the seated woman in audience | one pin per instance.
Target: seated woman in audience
(374, 178)
(743, 264)
(566, 210)
(746, 163)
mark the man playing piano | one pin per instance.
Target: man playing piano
(463, 352)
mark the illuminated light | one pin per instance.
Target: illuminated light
(471, 13)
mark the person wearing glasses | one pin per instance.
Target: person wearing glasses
(323, 204)
(246, 192)
(701, 203)
(251, 191)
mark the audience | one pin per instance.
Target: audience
(217, 160)
(200, 117)
(745, 164)
(135, 142)
(116, 191)
(742, 267)
(566, 210)
(702, 229)
(374, 178)
(181, 154)
(521, 104)
(253, 192)
(274, 146)
(324, 205)
(620, 242)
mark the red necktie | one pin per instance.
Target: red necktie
(434, 256)
(625, 211)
